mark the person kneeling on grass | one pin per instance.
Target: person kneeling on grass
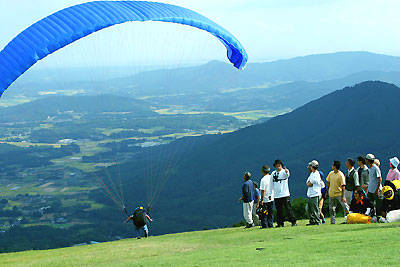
(361, 209)
(140, 220)
(391, 201)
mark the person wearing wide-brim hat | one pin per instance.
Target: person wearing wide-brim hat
(280, 189)
(375, 183)
(394, 173)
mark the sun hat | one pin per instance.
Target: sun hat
(395, 162)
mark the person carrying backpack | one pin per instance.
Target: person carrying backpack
(267, 201)
(140, 220)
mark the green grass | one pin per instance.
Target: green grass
(34, 188)
(108, 132)
(243, 115)
(28, 144)
(65, 225)
(24, 189)
(7, 102)
(325, 245)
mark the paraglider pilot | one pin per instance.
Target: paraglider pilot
(140, 220)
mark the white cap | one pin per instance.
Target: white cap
(370, 156)
(395, 162)
(313, 163)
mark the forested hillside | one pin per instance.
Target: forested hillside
(204, 188)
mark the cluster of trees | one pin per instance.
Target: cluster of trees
(52, 136)
(33, 156)
(135, 133)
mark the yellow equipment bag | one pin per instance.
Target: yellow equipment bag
(353, 218)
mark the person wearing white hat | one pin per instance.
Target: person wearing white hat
(394, 173)
(267, 200)
(375, 183)
(314, 184)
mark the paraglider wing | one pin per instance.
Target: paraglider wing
(68, 25)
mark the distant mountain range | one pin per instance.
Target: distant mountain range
(280, 97)
(218, 76)
(204, 188)
(276, 86)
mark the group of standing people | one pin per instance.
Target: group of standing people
(359, 192)
(274, 188)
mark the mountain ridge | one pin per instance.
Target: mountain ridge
(217, 75)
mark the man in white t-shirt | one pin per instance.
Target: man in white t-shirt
(280, 189)
(266, 211)
(314, 184)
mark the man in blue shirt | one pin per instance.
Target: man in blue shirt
(248, 199)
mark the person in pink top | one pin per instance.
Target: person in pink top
(394, 173)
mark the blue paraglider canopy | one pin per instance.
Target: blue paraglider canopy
(68, 25)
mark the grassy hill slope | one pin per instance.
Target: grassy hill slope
(344, 245)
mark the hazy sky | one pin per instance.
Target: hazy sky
(268, 29)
